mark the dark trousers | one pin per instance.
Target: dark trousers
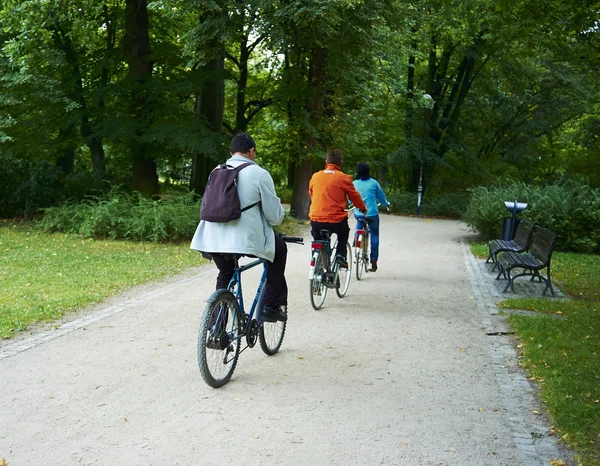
(276, 291)
(341, 229)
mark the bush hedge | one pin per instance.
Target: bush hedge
(123, 216)
(451, 205)
(570, 209)
(134, 217)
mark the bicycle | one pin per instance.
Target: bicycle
(362, 249)
(225, 324)
(362, 245)
(325, 272)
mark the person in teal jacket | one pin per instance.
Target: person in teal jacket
(371, 192)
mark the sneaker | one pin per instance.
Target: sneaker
(273, 314)
(373, 266)
(341, 261)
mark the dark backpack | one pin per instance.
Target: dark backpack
(221, 202)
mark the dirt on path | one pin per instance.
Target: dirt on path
(401, 371)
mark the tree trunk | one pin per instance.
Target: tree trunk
(210, 103)
(66, 159)
(300, 204)
(137, 51)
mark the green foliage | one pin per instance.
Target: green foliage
(570, 209)
(26, 187)
(123, 216)
(443, 205)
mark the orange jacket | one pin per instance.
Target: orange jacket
(328, 190)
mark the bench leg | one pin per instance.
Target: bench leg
(500, 271)
(509, 284)
(548, 283)
(495, 262)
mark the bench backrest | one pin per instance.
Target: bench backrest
(543, 244)
(524, 234)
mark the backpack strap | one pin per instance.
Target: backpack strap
(238, 169)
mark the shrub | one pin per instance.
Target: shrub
(123, 216)
(570, 209)
(26, 187)
(444, 205)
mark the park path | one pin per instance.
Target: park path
(401, 371)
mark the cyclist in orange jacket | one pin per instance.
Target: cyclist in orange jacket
(329, 192)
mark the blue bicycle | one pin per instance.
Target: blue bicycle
(225, 325)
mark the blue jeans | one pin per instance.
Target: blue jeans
(374, 232)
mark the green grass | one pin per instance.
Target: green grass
(44, 276)
(560, 347)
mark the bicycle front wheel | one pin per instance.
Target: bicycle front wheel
(271, 335)
(219, 338)
(318, 290)
(344, 275)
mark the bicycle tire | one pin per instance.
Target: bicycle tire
(219, 338)
(367, 251)
(344, 275)
(270, 336)
(360, 259)
(318, 290)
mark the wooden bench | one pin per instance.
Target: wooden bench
(521, 243)
(532, 262)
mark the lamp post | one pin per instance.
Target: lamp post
(427, 101)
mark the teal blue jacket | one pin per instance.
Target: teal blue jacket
(371, 192)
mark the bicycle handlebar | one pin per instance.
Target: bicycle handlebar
(350, 209)
(292, 239)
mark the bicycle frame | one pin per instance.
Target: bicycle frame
(235, 286)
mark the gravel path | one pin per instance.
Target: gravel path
(402, 371)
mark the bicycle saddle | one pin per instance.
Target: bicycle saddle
(325, 233)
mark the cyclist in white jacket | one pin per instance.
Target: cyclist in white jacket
(252, 234)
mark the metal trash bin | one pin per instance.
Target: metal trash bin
(509, 224)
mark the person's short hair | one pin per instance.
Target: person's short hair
(363, 171)
(242, 143)
(335, 156)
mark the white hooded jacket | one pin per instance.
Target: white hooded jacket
(252, 234)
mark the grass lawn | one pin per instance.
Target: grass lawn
(560, 347)
(44, 276)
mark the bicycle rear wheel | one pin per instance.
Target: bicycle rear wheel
(318, 290)
(344, 275)
(360, 260)
(366, 252)
(270, 335)
(219, 338)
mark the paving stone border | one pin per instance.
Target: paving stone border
(531, 432)
(17, 347)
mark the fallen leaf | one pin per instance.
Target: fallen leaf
(300, 357)
(557, 463)
(461, 349)
(2, 462)
(481, 409)
(256, 436)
